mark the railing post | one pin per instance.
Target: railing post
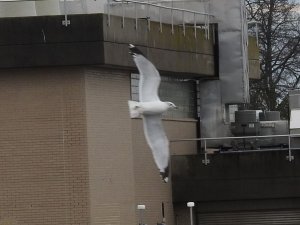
(256, 34)
(172, 19)
(205, 160)
(205, 26)
(208, 29)
(148, 16)
(213, 33)
(123, 14)
(195, 28)
(136, 20)
(183, 23)
(148, 24)
(108, 13)
(66, 22)
(160, 23)
(290, 157)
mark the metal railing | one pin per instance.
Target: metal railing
(66, 21)
(206, 161)
(172, 9)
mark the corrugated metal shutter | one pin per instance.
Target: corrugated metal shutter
(282, 217)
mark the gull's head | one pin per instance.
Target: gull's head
(171, 105)
(134, 51)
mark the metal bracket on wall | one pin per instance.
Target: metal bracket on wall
(205, 161)
(290, 157)
(66, 22)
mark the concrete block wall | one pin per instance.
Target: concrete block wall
(43, 165)
(109, 147)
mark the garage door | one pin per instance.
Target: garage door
(282, 217)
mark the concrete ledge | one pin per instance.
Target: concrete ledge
(168, 61)
(88, 40)
(259, 175)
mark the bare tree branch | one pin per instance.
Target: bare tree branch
(279, 39)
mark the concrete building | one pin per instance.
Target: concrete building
(70, 154)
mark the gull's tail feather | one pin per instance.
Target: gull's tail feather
(133, 109)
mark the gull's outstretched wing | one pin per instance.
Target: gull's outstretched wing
(157, 140)
(149, 76)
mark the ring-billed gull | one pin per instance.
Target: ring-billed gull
(150, 107)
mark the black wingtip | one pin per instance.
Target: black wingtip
(164, 178)
(134, 50)
(165, 175)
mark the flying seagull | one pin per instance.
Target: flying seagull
(151, 108)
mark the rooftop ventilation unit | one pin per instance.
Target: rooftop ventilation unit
(249, 123)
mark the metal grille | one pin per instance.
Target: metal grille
(282, 217)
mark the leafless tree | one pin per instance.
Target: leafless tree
(279, 44)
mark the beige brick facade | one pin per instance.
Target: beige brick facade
(150, 190)
(109, 147)
(43, 158)
(69, 154)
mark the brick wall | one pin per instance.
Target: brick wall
(43, 178)
(150, 190)
(109, 147)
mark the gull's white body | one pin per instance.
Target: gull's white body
(150, 108)
(147, 108)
